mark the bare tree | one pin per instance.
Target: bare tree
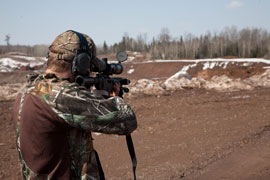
(229, 42)
(8, 39)
(105, 48)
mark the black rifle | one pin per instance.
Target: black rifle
(104, 70)
(103, 81)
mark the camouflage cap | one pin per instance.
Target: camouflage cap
(65, 46)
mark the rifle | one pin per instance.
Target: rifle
(104, 70)
(103, 81)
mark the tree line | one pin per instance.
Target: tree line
(244, 43)
(36, 50)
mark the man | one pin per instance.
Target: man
(54, 117)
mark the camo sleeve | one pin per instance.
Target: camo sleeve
(81, 109)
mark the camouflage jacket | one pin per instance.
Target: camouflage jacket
(54, 120)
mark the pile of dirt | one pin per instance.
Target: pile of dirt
(221, 83)
(217, 82)
(204, 69)
(233, 73)
(220, 75)
(154, 70)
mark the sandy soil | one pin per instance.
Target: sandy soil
(190, 134)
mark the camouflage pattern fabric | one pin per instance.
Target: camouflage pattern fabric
(66, 44)
(84, 113)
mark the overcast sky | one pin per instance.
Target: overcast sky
(30, 22)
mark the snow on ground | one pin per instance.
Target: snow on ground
(179, 80)
(130, 71)
(257, 60)
(130, 58)
(26, 58)
(13, 62)
(182, 79)
(219, 83)
(206, 65)
(182, 73)
(210, 65)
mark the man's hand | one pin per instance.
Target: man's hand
(116, 90)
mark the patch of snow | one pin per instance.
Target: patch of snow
(116, 62)
(5, 69)
(258, 60)
(36, 64)
(146, 86)
(225, 65)
(44, 58)
(248, 64)
(236, 97)
(136, 53)
(181, 74)
(209, 65)
(131, 71)
(162, 78)
(25, 57)
(11, 63)
(7, 64)
(130, 58)
(193, 65)
(97, 134)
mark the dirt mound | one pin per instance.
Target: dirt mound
(222, 75)
(182, 81)
(151, 70)
(233, 72)
(146, 86)
(162, 69)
